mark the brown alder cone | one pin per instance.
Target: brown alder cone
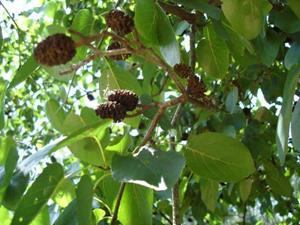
(116, 45)
(111, 110)
(183, 70)
(55, 50)
(125, 97)
(195, 88)
(119, 22)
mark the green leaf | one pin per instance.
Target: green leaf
(24, 72)
(55, 71)
(64, 193)
(38, 194)
(1, 39)
(209, 193)
(83, 22)
(5, 217)
(268, 47)
(99, 214)
(202, 6)
(8, 162)
(151, 168)
(116, 77)
(292, 56)
(55, 114)
(245, 16)
(109, 187)
(87, 149)
(84, 194)
(218, 157)
(2, 97)
(136, 205)
(295, 126)
(69, 215)
(285, 115)
(169, 47)
(87, 131)
(213, 54)
(232, 100)
(245, 188)
(146, 19)
(278, 183)
(285, 20)
(14, 191)
(295, 7)
(43, 218)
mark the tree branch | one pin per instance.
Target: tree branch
(179, 11)
(118, 203)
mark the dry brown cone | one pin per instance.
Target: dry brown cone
(195, 88)
(55, 50)
(183, 70)
(111, 110)
(119, 22)
(125, 97)
(116, 45)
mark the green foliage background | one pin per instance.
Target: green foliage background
(239, 164)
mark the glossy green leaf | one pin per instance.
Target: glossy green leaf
(245, 16)
(69, 215)
(55, 114)
(84, 195)
(218, 157)
(116, 77)
(292, 56)
(295, 126)
(83, 22)
(2, 97)
(295, 7)
(169, 47)
(146, 19)
(245, 188)
(232, 100)
(285, 116)
(209, 193)
(24, 72)
(136, 205)
(99, 214)
(151, 168)
(38, 194)
(278, 183)
(213, 54)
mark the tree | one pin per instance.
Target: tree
(150, 112)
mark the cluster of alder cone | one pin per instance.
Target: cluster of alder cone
(59, 49)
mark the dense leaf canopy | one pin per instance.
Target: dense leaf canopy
(213, 139)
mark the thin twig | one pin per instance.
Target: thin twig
(118, 203)
(97, 54)
(162, 107)
(18, 30)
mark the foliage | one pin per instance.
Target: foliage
(230, 155)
